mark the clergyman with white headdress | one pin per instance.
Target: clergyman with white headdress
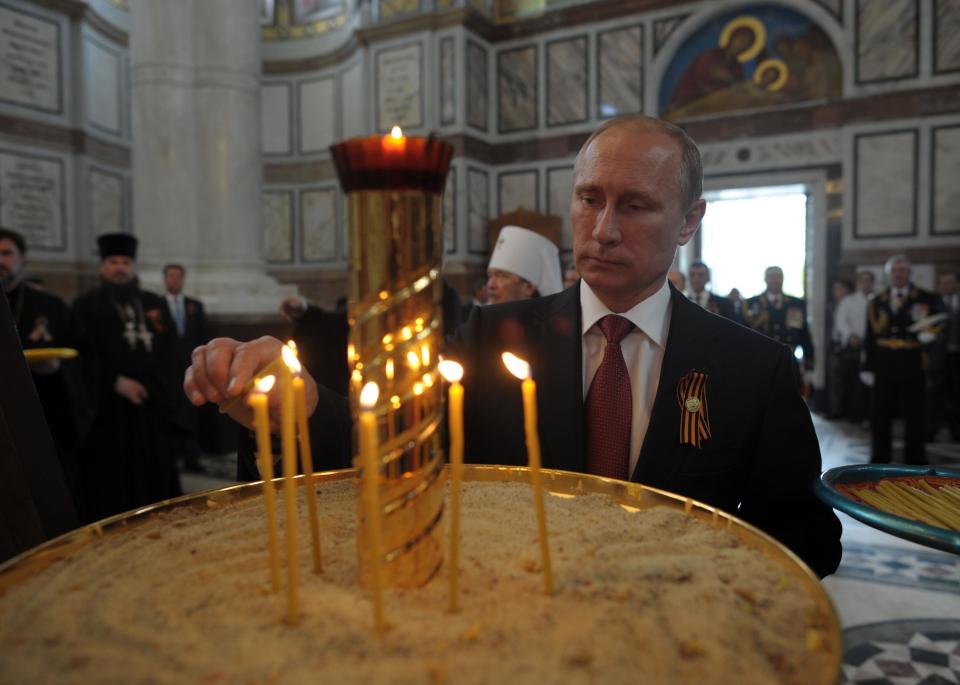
(524, 264)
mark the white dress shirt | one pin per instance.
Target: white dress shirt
(642, 348)
(701, 298)
(172, 301)
(851, 317)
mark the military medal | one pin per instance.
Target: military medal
(694, 419)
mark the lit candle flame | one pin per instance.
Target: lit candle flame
(451, 371)
(369, 395)
(428, 380)
(396, 133)
(290, 357)
(388, 369)
(425, 354)
(418, 388)
(266, 383)
(515, 365)
(413, 360)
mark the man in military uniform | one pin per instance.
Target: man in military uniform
(44, 320)
(781, 317)
(894, 360)
(130, 364)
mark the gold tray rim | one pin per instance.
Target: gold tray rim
(637, 495)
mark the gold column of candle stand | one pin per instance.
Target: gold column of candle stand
(395, 335)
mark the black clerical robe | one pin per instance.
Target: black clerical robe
(44, 320)
(126, 460)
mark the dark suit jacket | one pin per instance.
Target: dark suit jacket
(760, 462)
(194, 324)
(722, 306)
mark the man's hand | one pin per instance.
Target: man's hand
(132, 390)
(292, 308)
(222, 368)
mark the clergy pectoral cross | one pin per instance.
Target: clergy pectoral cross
(130, 334)
(145, 336)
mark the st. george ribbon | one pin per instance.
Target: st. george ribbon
(393, 185)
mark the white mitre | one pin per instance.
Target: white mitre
(530, 256)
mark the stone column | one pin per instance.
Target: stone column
(196, 149)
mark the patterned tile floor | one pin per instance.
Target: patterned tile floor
(898, 602)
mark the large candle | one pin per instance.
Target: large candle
(289, 449)
(521, 370)
(453, 372)
(261, 422)
(371, 475)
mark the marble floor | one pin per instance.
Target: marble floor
(898, 602)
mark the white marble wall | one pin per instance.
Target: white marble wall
(946, 26)
(884, 186)
(353, 109)
(478, 90)
(106, 201)
(946, 181)
(620, 71)
(559, 191)
(517, 89)
(449, 213)
(319, 227)
(276, 120)
(33, 197)
(317, 100)
(567, 81)
(478, 209)
(103, 93)
(886, 37)
(518, 189)
(278, 226)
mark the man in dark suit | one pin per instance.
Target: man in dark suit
(188, 320)
(636, 382)
(698, 275)
(943, 367)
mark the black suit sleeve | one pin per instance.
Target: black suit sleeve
(778, 496)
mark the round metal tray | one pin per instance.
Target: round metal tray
(908, 529)
(559, 483)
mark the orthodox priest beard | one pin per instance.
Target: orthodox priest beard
(122, 293)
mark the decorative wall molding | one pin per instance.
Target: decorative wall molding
(51, 136)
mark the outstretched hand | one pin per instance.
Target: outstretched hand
(221, 370)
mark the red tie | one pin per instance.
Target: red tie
(610, 406)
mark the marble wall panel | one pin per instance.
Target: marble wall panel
(517, 89)
(319, 228)
(478, 94)
(30, 78)
(276, 133)
(478, 210)
(278, 225)
(449, 209)
(885, 178)
(106, 201)
(620, 72)
(518, 190)
(946, 37)
(352, 111)
(448, 82)
(559, 190)
(835, 7)
(102, 86)
(664, 28)
(399, 87)
(32, 198)
(567, 81)
(318, 114)
(886, 40)
(946, 170)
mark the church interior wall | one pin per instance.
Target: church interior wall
(516, 98)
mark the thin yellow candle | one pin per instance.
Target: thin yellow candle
(306, 464)
(521, 370)
(371, 471)
(453, 372)
(261, 423)
(289, 449)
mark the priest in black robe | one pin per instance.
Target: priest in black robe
(129, 354)
(44, 320)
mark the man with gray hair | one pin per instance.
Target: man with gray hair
(893, 347)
